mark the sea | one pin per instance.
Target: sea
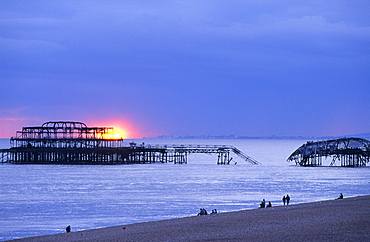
(44, 199)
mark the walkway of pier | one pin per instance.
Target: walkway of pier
(177, 154)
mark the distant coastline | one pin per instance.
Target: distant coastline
(273, 137)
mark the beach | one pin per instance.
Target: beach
(345, 219)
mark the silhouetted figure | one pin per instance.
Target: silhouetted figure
(68, 229)
(214, 211)
(202, 212)
(269, 205)
(284, 200)
(263, 204)
(287, 199)
(340, 196)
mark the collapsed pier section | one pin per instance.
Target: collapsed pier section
(348, 152)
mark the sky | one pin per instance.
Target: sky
(149, 68)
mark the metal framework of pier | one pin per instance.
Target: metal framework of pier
(349, 152)
(75, 143)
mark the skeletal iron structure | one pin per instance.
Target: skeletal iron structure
(351, 152)
(76, 143)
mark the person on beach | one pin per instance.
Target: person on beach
(284, 200)
(202, 212)
(263, 204)
(269, 205)
(287, 199)
(214, 211)
(68, 229)
(340, 196)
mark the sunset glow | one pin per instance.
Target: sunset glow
(121, 129)
(115, 133)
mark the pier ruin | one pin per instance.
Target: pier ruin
(75, 143)
(346, 152)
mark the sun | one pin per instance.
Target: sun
(117, 129)
(115, 133)
(119, 133)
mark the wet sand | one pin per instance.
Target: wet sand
(346, 219)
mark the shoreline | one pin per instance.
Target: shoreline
(345, 219)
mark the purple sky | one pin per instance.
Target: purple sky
(251, 68)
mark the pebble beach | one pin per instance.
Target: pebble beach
(345, 219)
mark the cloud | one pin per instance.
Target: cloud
(195, 67)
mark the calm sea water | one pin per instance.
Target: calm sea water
(44, 199)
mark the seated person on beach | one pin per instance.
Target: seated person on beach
(263, 204)
(269, 205)
(214, 211)
(202, 212)
(340, 196)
